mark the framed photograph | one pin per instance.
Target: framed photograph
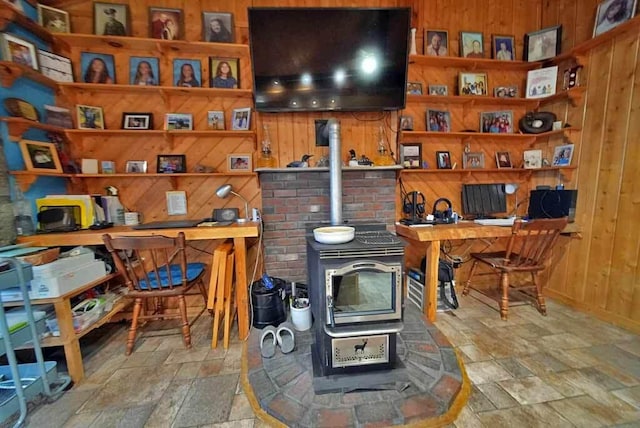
(54, 20)
(136, 166)
(612, 13)
(473, 160)
(503, 160)
(438, 121)
(406, 123)
(436, 42)
(40, 156)
(472, 84)
(89, 117)
(414, 88)
(97, 68)
(224, 73)
(215, 120)
(55, 67)
(178, 121)
(438, 90)
(541, 83)
(497, 122)
(20, 51)
(240, 121)
(239, 162)
(58, 116)
(542, 44)
(471, 45)
(186, 73)
(18, 107)
(144, 71)
(137, 120)
(532, 159)
(504, 47)
(443, 160)
(506, 91)
(110, 19)
(411, 155)
(172, 164)
(217, 27)
(166, 24)
(108, 167)
(562, 155)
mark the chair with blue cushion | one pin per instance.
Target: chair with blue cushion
(155, 267)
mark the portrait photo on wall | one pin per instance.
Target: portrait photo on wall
(165, 24)
(471, 45)
(239, 162)
(144, 71)
(20, 51)
(503, 160)
(443, 160)
(438, 121)
(442, 90)
(215, 120)
(562, 155)
(406, 123)
(497, 122)
(217, 27)
(54, 20)
(186, 73)
(90, 117)
(504, 47)
(97, 68)
(612, 13)
(472, 84)
(542, 44)
(40, 156)
(110, 19)
(436, 42)
(240, 121)
(224, 73)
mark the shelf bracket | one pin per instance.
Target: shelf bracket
(8, 75)
(25, 181)
(581, 59)
(17, 129)
(575, 96)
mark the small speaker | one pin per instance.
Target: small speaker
(553, 204)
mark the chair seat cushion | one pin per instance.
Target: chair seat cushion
(193, 271)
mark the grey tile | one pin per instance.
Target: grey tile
(58, 412)
(584, 411)
(621, 359)
(533, 416)
(530, 390)
(513, 366)
(498, 396)
(198, 408)
(169, 404)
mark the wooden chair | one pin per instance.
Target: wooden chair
(155, 267)
(527, 250)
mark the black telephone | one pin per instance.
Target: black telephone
(443, 216)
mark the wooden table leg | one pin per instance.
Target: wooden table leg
(69, 339)
(242, 294)
(431, 280)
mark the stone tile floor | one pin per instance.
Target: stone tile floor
(566, 369)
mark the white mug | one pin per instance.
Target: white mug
(132, 218)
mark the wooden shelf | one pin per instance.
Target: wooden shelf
(157, 132)
(164, 175)
(574, 95)
(91, 41)
(17, 126)
(26, 178)
(10, 71)
(471, 63)
(160, 90)
(406, 135)
(472, 100)
(486, 170)
(9, 14)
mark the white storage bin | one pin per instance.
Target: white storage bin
(64, 282)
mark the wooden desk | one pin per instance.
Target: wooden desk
(238, 232)
(430, 237)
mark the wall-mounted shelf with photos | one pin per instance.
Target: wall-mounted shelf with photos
(17, 126)
(471, 63)
(487, 136)
(9, 14)
(10, 72)
(162, 90)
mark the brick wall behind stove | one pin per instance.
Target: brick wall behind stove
(290, 201)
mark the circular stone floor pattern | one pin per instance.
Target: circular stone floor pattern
(281, 392)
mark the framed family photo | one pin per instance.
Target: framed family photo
(90, 117)
(171, 164)
(438, 121)
(504, 47)
(54, 20)
(472, 84)
(471, 45)
(178, 121)
(436, 42)
(542, 44)
(20, 51)
(137, 121)
(217, 27)
(110, 19)
(473, 160)
(497, 122)
(224, 73)
(240, 120)
(505, 91)
(414, 88)
(186, 73)
(612, 13)
(40, 156)
(55, 67)
(239, 162)
(562, 155)
(144, 71)
(438, 90)
(97, 68)
(215, 120)
(166, 24)
(136, 166)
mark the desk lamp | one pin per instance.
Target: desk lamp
(225, 190)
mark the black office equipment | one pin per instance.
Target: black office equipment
(553, 204)
(167, 224)
(484, 200)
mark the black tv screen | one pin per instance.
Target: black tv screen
(322, 59)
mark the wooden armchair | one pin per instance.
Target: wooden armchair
(155, 267)
(527, 250)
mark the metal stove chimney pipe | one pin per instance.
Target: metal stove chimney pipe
(335, 172)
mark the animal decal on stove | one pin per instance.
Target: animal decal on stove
(360, 348)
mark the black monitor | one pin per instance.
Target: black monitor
(484, 200)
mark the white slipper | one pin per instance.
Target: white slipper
(268, 342)
(285, 337)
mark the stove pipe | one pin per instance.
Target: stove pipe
(335, 172)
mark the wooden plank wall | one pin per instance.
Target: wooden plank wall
(599, 273)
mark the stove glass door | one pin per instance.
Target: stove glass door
(364, 291)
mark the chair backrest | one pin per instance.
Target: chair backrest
(531, 241)
(144, 261)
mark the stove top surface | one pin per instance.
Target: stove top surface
(367, 236)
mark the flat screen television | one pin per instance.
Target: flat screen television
(484, 200)
(329, 59)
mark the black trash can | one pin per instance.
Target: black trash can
(268, 307)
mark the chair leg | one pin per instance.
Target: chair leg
(542, 306)
(465, 291)
(504, 302)
(131, 338)
(186, 331)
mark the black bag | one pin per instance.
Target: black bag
(446, 282)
